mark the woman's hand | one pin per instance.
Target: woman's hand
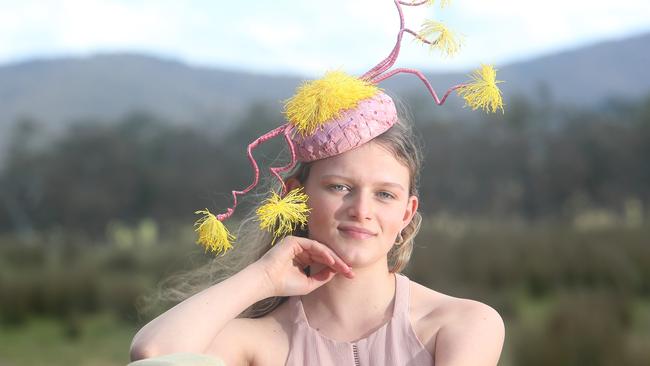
(283, 266)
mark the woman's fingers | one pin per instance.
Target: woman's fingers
(339, 265)
(326, 255)
(313, 257)
(322, 277)
(285, 263)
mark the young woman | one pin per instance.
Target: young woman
(332, 293)
(354, 308)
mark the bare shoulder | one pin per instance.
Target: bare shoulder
(456, 331)
(260, 341)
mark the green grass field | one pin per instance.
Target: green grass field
(567, 296)
(92, 340)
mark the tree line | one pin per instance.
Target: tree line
(535, 162)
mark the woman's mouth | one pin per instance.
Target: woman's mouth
(355, 232)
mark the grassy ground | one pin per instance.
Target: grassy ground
(567, 296)
(92, 340)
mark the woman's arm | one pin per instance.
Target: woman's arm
(193, 324)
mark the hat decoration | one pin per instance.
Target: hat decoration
(337, 113)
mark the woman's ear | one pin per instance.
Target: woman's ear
(292, 183)
(411, 210)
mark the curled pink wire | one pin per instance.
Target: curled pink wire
(292, 150)
(424, 80)
(390, 60)
(413, 4)
(284, 129)
(377, 73)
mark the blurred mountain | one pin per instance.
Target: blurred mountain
(108, 86)
(586, 76)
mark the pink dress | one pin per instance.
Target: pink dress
(395, 343)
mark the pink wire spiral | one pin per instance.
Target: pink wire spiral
(282, 130)
(376, 74)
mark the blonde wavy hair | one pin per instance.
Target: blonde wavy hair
(253, 243)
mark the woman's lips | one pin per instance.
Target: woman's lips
(356, 233)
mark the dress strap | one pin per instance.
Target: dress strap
(297, 311)
(402, 294)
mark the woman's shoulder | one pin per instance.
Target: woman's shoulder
(448, 326)
(272, 336)
(273, 321)
(428, 302)
(259, 341)
(274, 326)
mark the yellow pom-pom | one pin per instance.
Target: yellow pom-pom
(213, 234)
(446, 41)
(483, 91)
(282, 215)
(318, 101)
(443, 3)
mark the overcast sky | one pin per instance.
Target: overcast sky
(306, 36)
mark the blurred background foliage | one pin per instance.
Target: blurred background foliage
(541, 213)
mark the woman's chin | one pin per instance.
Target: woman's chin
(356, 256)
(355, 253)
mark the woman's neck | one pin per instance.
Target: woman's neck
(353, 307)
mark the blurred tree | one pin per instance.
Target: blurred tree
(521, 164)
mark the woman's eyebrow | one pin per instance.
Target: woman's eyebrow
(389, 184)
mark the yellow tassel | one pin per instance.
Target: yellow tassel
(446, 41)
(213, 234)
(443, 3)
(483, 91)
(318, 101)
(282, 215)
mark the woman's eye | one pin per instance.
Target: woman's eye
(386, 195)
(338, 187)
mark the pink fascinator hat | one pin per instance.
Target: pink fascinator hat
(337, 113)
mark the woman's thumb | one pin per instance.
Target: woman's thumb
(321, 277)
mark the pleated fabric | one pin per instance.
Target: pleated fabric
(395, 343)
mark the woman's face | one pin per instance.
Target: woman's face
(359, 203)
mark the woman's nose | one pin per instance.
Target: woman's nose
(360, 206)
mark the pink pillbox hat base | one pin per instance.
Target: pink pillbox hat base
(353, 127)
